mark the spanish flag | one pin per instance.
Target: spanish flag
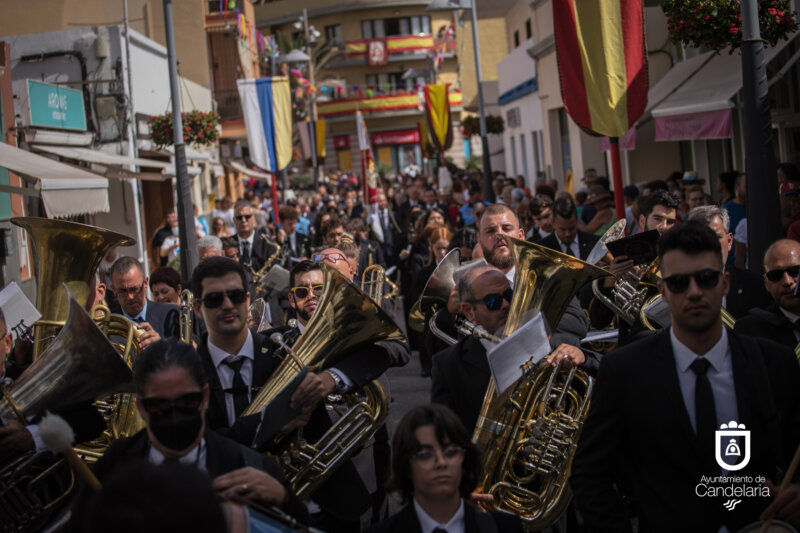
(602, 63)
(267, 108)
(437, 111)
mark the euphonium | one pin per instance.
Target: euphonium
(67, 253)
(655, 314)
(33, 485)
(629, 292)
(344, 319)
(529, 433)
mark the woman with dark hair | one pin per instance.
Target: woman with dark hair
(435, 466)
(165, 284)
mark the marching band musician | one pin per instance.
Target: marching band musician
(253, 248)
(346, 495)
(296, 244)
(172, 397)
(779, 321)
(650, 430)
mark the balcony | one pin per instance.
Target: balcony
(399, 48)
(381, 104)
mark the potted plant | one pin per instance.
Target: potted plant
(199, 127)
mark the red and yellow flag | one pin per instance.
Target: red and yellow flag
(602, 62)
(437, 111)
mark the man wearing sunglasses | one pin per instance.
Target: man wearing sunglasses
(658, 403)
(461, 372)
(781, 320)
(253, 248)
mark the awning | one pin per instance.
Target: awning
(65, 190)
(242, 169)
(679, 73)
(701, 107)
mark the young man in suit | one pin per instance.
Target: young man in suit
(154, 319)
(566, 237)
(386, 228)
(779, 321)
(434, 468)
(296, 243)
(650, 430)
(254, 250)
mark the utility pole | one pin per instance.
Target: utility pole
(311, 98)
(488, 190)
(188, 237)
(763, 205)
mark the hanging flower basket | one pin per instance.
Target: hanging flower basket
(717, 24)
(472, 126)
(199, 128)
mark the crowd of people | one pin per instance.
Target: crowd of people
(724, 355)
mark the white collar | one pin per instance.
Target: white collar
(196, 456)
(428, 524)
(142, 313)
(791, 316)
(218, 355)
(511, 274)
(249, 239)
(685, 356)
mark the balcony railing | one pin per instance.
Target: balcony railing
(378, 103)
(403, 44)
(228, 105)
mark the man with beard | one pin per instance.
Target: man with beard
(343, 501)
(779, 321)
(657, 404)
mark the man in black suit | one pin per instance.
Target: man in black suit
(566, 237)
(156, 320)
(746, 288)
(461, 373)
(254, 250)
(651, 429)
(296, 244)
(541, 210)
(779, 321)
(386, 228)
(414, 199)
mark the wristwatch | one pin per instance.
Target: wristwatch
(339, 384)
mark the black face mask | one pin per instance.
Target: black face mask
(176, 428)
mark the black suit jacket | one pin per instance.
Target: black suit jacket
(746, 292)
(406, 521)
(164, 318)
(769, 323)
(261, 251)
(586, 242)
(301, 248)
(222, 456)
(638, 435)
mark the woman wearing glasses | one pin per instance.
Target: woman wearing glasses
(434, 468)
(172, 395)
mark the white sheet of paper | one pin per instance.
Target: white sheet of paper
(16, 308)
(527, 343)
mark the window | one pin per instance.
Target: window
(420, 25)
(371, 29)
(516, 39)
(387, 82)
(528, 31)
(333, 34)
(524, 154)
(513, 155)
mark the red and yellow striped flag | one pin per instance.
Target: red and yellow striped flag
(602, 63)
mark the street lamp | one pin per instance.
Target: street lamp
(450, 5)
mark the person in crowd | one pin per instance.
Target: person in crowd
(695, 196)
(737, 210)
(685, 381)
(230, 248)
(333, 231)
(788, 174)
(414, 200)
(466, 214)
(253, 248)
(219, 229)
(172, 397)
(371, 252)
(465, 240)
(435, 466)
(605, 215)
(156, 320)
(209, 246)
(779, 321)
(566, 237)
(170, 247)
(726, 186)
(165, 285)
(541, 211)
(164, 231)
(746, 290)
(200, 223)
(295, 243)
(386, 228)
(652, 186)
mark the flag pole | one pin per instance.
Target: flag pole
(616, 170)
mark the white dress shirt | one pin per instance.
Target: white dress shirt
(250, 240)
(195, 458)
(720, 376)
(142, 314)
(428, 524)
(226, 373)
(573, 246)
(792, 318)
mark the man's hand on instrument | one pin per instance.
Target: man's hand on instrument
(786, 506)
(15, 437)
(148, 336)
(312, 390)
(297, 422)
(619, 266)
(251, 483)
(481, 501)
(566, 355)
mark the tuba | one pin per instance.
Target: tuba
(67, 254)
(628, 298)
(530, 431)
(344, 319)
(33, 485)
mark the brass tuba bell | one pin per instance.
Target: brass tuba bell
(67, 254)
(529, 433)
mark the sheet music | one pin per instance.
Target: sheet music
(528, 343)
(17, 308)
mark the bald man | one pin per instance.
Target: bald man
(778, 321)
(461, 372)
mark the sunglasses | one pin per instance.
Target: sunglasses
(214, 299)
(706, 279)
(189, 402)
(302, 292)
(777, 274)
(243, 217)
(494, 302)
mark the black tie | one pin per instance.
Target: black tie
(239, 389)
(246, 252)
(567, 249)
(705, 412)
(139, 319)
